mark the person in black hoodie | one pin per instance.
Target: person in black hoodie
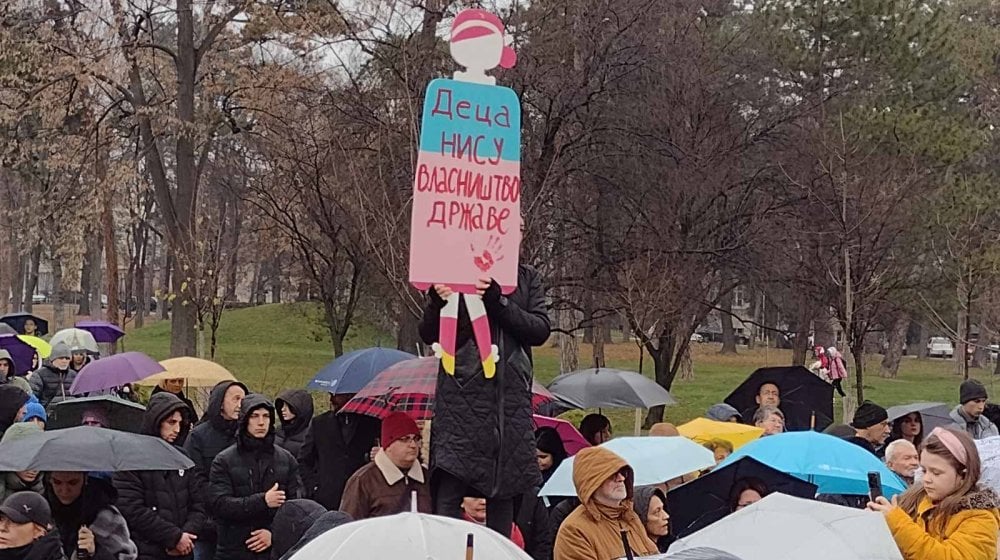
(26, 529)
(336, 446)
(249, 481)
(291, 521)
(12, 401)
(176, 388)
(83, 510)
(215, 432)
(327, 521)
(165, 510)
(295, 409)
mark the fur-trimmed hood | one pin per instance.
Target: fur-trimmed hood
(981, 498)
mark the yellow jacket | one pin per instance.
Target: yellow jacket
(971, 534)
(593, 531)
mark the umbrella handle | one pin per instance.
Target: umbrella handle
(468, 547)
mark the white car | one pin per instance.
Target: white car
(940, 347)
(697, 338)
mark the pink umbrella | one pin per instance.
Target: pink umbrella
(572, 439)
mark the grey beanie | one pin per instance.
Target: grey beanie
(60, 350)
(723, 412)
(970, 390)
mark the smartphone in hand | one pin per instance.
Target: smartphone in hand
(874, 485)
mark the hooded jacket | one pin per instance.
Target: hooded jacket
(181, 396)
(95, 509)
(49, 547)
(161, 505)
(980, 428)
(52, 385)
(970, 534)
(11, 401)
(644, 495)
(214, 433)
(327, 521)
(12, 377)
(594, 531)
(293, 519)
(9, 481)
(482, 432)
(240, 476)
(291, 435)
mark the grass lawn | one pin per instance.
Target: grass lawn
(273, 347)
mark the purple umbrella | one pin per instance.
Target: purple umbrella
(114, 371)
(103, 331)
(20, 351)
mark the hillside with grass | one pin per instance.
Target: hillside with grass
(278, 346)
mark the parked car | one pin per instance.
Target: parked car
(940, 347)
(697, 338)
(39, 298)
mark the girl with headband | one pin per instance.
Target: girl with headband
(946, 515)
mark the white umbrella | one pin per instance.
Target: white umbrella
(653, 460)
(989, 454)
(409, 535)
(781, 526)
(76, 338)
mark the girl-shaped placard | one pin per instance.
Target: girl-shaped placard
(466, 220)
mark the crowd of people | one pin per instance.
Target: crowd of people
(269, 476)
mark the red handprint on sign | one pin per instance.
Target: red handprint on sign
(484, 259)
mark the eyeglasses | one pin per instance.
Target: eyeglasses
(411, 439)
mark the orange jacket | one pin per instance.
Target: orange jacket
(971, 534)
(593, 531)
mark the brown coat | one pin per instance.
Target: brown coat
(593, 531)
(380, 488)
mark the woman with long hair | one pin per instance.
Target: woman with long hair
(947, 514)
(909, 427)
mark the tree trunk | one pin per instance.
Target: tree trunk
(23, 264)
(165, 303)
(600, 337)
(726, 318)
(84, 299)
(686, 368)
(36, 261)
(142, 301)
(961, 346)
(924, 340)
(664, 369)
(896, 341)
(569, 344)
(800, 345)
(407, 331)
(858, 351)
(58, 306)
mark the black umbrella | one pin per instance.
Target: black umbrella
(116, 413)
(86, 449)
(803, 395)
(706, 499)
(16, 322)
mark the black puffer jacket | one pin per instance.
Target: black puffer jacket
(161, 505)
(291, 521)
(482, 430)
(51, 385)
(240, 477)
(291, 435)
(213, 434)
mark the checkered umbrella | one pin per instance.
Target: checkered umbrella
(409, 387)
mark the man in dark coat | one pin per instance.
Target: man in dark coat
(871, 426)
(249, 481)
(26, 531)
(51, 382)
(216, 432)
(295, 410)
(482, 443)
(336, 446)
(165, 510)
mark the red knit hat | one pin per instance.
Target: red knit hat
(396, 426)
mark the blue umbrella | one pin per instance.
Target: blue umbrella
(653, 460)
(352, 371)
(834, 465)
